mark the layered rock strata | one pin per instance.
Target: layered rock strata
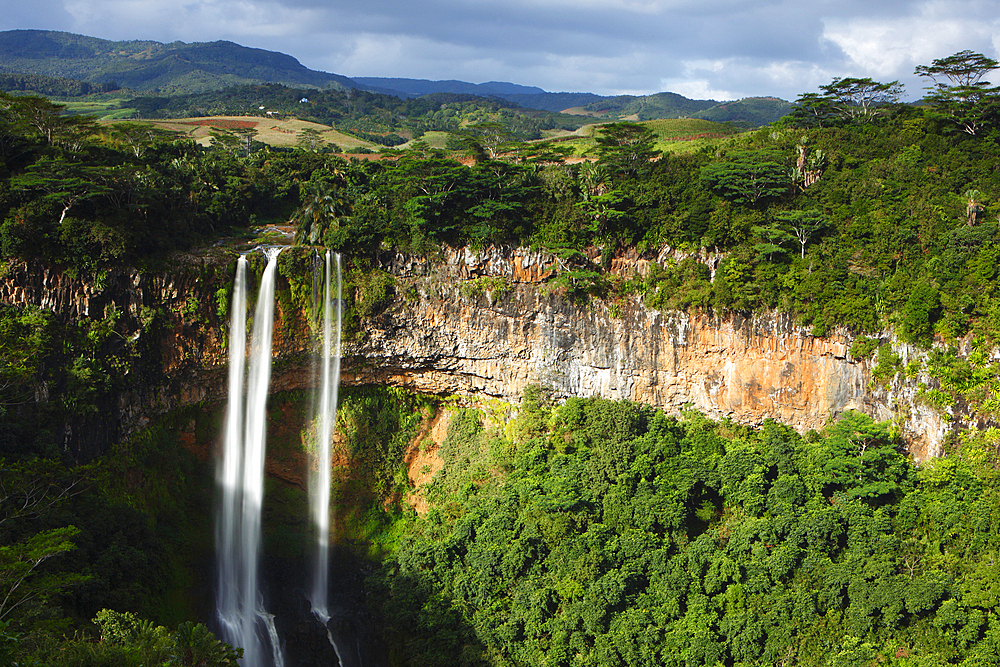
(485, 325)
(461, 333)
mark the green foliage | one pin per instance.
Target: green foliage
(493, 286)
(683, 286)
(9, 641)
(803, 225)
(372, 290)
(22, 579)
(117, 627)
(888, 364)
(961, 375)
(462, 448)
(322, 208)
(863, 347)
(378, 423)
(968, 102)
(129, 641)
(748, 177)
(621, 536)
(972, 379)
(626, 148)
(847, 100)
(919, 313)
(196, 646)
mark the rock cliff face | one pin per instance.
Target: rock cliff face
(485, 325)
(448, 338)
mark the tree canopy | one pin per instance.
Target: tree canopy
(968, 102)
(615, 535)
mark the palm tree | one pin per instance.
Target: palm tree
(322, 208)
(594, 180)
(972, 208)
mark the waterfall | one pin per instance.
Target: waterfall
(319, 487)
(241, 475)
(230, 469)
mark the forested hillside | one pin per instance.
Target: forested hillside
(151, 66)
(604, 533)
(588, 533)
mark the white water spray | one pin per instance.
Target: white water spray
(241, 476)
(319, 488)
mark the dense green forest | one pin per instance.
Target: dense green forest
(51, 86)
(605, 533)
(588, 533)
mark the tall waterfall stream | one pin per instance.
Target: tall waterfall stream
(325, 420)
(242, 616)
(243, 619)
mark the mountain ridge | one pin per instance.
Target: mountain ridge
(417, 87)
(151, 67)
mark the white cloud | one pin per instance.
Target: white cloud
(890, 47)
(698, 90)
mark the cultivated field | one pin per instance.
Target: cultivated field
(271, 131)
(673, 135)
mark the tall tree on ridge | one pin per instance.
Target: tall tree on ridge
(964, 99)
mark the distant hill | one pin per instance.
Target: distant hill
(750, 111)
(418, 87)
(149, 66)
(648, 107)
(50, 63)
(553, 101)
(529, 97)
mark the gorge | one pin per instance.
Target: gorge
(477, 328)
(612, 400)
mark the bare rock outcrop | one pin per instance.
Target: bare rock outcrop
(447, 331)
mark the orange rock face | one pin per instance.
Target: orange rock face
(439, 336)
(746, 369)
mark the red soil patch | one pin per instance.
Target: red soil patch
(188, 440)
(422, 460)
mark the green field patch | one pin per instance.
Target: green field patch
(687, 129)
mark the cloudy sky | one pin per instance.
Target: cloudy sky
(719, 49)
